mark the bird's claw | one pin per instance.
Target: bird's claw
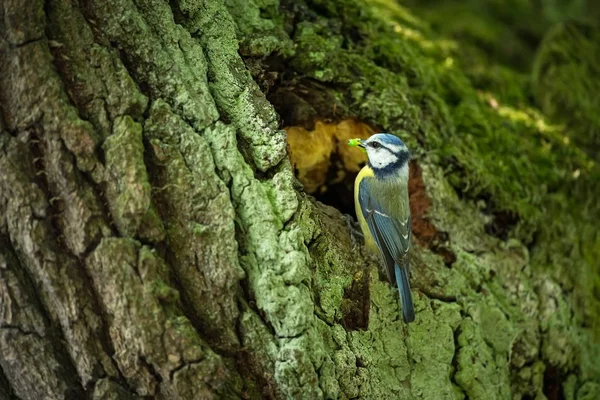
(356, 235)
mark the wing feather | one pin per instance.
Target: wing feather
(392, 235)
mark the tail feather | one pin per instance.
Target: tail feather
(408, 311)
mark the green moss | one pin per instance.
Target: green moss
(183, 327)
(165, 292)
(564, 76)
(500, 83)
(391, 80)
(589, 391)
(496, 32)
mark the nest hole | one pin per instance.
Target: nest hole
(324, 162)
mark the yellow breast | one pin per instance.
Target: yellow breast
(365, 173)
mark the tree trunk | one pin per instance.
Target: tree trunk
(154, 242)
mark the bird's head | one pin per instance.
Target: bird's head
(387, 154)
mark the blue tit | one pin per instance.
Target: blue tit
(382, 208)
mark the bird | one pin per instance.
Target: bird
(382, 208)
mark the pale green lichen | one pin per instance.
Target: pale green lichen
(382, 366)
(496, 329)
(333, 266)
(275, 263)
(481, 373)
(259, 27)
(237, 96)
(281, 193)
(431, 347)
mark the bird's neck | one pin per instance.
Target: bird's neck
(392, 172)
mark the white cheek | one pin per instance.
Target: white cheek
(381, 159)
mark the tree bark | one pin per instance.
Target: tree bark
(154, 242)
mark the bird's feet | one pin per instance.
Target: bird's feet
(356, 235)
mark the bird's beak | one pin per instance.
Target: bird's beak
(358, 142)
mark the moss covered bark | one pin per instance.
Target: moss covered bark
(155, 243)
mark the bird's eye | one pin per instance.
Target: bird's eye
(375, 145)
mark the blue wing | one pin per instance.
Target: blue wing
(392, 237)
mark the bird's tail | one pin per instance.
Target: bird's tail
(408, 311)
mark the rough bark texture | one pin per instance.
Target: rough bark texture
(154, 242)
